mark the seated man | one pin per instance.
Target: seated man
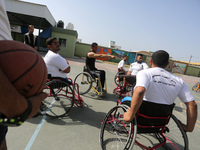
(121, 65)
(90, 63)
(133, 70)
(160, 86)
(57, 66)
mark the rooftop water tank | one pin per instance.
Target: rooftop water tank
(60, 24)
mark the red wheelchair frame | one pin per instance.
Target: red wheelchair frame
(118, 91)
(78, 100)
(61, 97)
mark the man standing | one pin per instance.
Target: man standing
(30, 38)
(90, 63)
(57, 66)
(160, 86)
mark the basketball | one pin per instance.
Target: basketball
(23, 66)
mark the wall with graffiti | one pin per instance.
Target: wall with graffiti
(179, 67)
(106, 51)
(118, 55)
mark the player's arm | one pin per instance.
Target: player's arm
(26, 39)
(67, 70)
(93, 55)
(62, 64)
(191, 112)
(137, 99)
(12, 104)
(107, 56)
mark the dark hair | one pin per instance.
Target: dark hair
(160, 58)
(140, 55)
(50, 40)
(94, 44)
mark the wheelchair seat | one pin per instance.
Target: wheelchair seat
(59, 78)
(92, 73)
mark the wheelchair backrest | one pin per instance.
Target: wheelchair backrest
(151, 117)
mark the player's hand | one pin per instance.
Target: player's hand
(36, 101)
(127, 116)
(67, 61)
(113, 57)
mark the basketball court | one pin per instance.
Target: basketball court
(80, 129)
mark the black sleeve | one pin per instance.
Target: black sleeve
(26, 39)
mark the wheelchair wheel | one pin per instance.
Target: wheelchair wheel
(60, 98)
(116, 134)
(176, 136)
(116, 76)
(84, 81)
(115, 79)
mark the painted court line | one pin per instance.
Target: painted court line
(30, 143)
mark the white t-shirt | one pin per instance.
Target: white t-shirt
(121, 64)
(162, 86)
(136, 67)
(5, 31)
(55, 63)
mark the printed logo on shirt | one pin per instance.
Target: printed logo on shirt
(160, 79)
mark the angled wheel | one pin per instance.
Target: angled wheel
(60, 98)
(116, 134)
(176, 136)
(116, 81)
(84, 81)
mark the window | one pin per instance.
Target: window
(62, 42)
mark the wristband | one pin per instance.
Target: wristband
(18, 120)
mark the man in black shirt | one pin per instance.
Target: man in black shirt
(90, 62)
(30, 38)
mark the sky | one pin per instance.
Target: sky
(148, 25)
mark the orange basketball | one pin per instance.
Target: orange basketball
(23, 66)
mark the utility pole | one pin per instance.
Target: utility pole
(190, 59)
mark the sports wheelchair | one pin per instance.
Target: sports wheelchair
(149, 126)
(89, 81)
(123, 90)
(61, 97)
(196, 87)
(116, 79)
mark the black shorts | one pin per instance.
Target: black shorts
(3, 131)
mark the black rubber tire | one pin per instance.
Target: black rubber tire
(84, 81)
